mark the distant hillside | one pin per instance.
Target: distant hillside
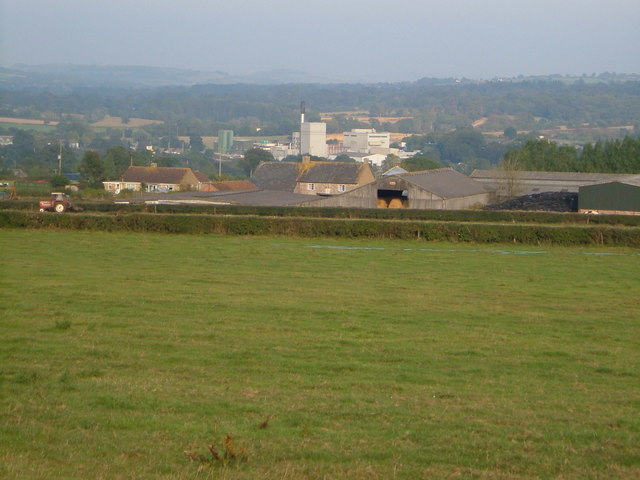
(62, 77)
(573, 110)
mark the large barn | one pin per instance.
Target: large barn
(519, 182)
(440, 189)
(619, 197)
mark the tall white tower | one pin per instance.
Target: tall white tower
(313, 136)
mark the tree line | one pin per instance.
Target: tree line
(612, 156)
(274, 109)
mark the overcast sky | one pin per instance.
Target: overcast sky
(352, 40)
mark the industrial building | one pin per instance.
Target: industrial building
(225, 141)
(313, 136)
(313, 139)
(375, 159)
(366, 140)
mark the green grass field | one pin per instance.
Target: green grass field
(125, 355)
(22, 126)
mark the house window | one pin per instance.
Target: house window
(311, 186)
(342, 188)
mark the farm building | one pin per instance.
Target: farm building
(249, 197)
(158, 179)
(618, 197)
(312, 178)
(516, 183)
(440, 189)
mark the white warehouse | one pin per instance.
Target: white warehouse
(366, 140)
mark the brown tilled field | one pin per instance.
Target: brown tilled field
(109, 121)
(25, 121)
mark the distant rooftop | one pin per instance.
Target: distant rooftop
(445, 182)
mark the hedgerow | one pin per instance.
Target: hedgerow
(530, 234)
(480, 216)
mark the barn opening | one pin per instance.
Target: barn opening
(393, 199)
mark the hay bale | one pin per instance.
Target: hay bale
(382, 203)
(396, 203)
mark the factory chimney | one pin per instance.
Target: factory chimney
(302, 108)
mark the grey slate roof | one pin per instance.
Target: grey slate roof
(155, 174)
(284, 175)
(445, 182)
(280, 176)
(338, 172)
(267, 198)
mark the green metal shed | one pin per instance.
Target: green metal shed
(611, 197)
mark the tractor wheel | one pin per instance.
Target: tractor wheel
(60, 208)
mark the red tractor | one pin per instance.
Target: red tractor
(59, 202)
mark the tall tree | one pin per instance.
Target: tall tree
(419, 163)
(511, 175)
(252, 158)
(92, 167)
(196, 143)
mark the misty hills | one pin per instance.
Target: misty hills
(59, 77)
(62, 77)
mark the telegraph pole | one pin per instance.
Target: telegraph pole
(60, 159)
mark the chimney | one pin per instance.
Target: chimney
(306, 159)
(302, 109)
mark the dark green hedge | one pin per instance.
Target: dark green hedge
(324, 227)
(480, 216)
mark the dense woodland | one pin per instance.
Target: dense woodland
(447, 122)
(203, 109)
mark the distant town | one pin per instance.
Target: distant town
(430, 144)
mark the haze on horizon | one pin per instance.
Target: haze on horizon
(352, 40)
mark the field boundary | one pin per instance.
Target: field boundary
(525, 234)
(478, 216)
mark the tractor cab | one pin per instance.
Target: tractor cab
(59, 202)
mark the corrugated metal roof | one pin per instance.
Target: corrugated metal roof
(445, 182)
(632, 180)
(552, 176)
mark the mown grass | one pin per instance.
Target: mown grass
(125, 355)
